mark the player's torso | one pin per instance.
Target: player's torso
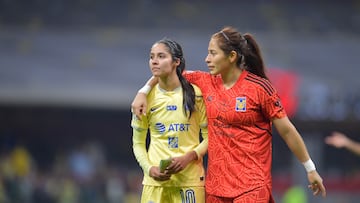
(239, 134)
(238, 106)
(170, 128)
(173, 134)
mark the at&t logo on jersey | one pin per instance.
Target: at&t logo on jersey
(160, 127)
(176, 127)
(240, 104)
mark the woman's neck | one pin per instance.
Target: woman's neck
(230, 78)
(169, 83)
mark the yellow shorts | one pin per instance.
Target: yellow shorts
(156, 194)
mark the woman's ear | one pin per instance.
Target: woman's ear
(233, 56)
(177, 62)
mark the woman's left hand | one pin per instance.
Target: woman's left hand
(316, 183)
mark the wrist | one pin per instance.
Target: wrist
(146, 89)
(309, 165)
(194, 155)
(150, 171)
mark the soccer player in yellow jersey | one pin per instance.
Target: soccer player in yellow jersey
(177, 125)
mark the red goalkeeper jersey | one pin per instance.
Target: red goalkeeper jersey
(240, 132)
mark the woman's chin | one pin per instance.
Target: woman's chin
(213, 72)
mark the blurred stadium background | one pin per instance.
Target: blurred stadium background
(70, 69)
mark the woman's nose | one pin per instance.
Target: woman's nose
(207, 60)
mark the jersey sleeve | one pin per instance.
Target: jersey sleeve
(140, 129)
(139, 149)
(272, 106)
(193, 77)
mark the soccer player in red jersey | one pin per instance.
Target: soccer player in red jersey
(242, 106)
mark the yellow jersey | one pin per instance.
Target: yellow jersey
(172, 134)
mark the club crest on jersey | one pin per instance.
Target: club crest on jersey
(240, 104)
(173, 142)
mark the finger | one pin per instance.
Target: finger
(172, 164)
(173, 168)
(165, 176)
(323, 190)
(313, 187)
(316, 191)
(144, 108)
(138, 113)
(162, 178)
(178, 168)
(170, 170)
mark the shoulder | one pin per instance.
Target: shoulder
(196, 73)
(260, 83)
(153, 92)
(197, 90)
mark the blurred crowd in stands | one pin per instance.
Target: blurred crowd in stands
(79, 175)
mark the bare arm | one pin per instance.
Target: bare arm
(340, 140)
(139, 104)
(296, 144)
(292, 138)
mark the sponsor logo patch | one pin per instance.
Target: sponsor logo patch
(171, 107)
(160, 127)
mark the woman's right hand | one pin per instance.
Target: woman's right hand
(157, 175)
(139, 105)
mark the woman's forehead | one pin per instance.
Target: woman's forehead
(213, 43)
(159, 47)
